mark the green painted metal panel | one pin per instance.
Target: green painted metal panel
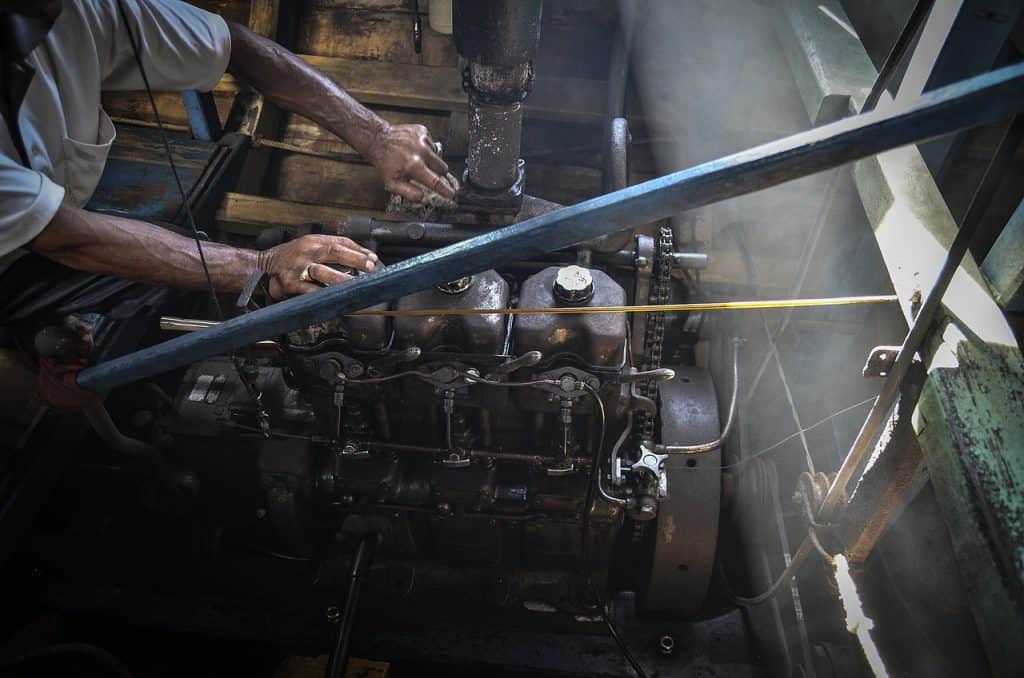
(970, 422)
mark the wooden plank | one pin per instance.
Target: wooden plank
(136, 106)
(303, 132)
(314, 667)
(439, 88)
(303, 178)
(249, 214)
(319, 180)
(263, 15)
(435, 88)
(380, 36)
(231, 10)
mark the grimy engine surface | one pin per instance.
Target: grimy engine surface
(473, 437)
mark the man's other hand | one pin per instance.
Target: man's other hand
(302, 265)
(406, 153)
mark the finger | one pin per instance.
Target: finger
(436, 182)
(352, 245)
(303, 288)
(327, 275)
(435, 162)
(339, 254)
(407, 191)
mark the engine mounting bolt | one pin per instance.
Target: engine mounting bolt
(667, 644)
(650, 459)
(333, 615)
(574, 285)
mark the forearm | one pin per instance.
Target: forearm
(99, 243)
(294, 85)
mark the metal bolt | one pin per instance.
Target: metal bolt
(667, 644)
(333, 615)
(261, 513)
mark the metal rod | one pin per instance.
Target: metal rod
(729, 420)
(360, 565)
(175, 324)
(975, 101)
(922, 323)
(170, 323)
(899, 49)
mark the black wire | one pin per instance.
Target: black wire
(170, 159)
(585, 530)
(249, 384)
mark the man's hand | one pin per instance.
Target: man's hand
(401, 153)
(302, 265)
(406, 153)
(103, 243)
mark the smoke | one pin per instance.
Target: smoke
(711, 78)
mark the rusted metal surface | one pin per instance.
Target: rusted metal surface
(975, 456)
(890, 472)
(915, 229)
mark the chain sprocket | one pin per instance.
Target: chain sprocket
(654, 331)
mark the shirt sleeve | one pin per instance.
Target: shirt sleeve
(28, 201)
(182, 46)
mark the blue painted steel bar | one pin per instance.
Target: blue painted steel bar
(977, 101)
(202, 115)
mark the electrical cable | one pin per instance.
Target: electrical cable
(249, 384)
(170, 158)
(766, 450)
(584, 532)
(751, 601)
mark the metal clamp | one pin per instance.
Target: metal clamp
(880, 361)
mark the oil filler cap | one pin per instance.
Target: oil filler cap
(574, 285)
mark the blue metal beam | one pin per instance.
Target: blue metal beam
(203, 118)
(977, 101)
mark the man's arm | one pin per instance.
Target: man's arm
(126, 248)
(400, 152)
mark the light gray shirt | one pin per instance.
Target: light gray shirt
(66, 132)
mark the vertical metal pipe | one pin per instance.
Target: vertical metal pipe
(360, 566)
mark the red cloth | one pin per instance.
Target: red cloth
(58, 385)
